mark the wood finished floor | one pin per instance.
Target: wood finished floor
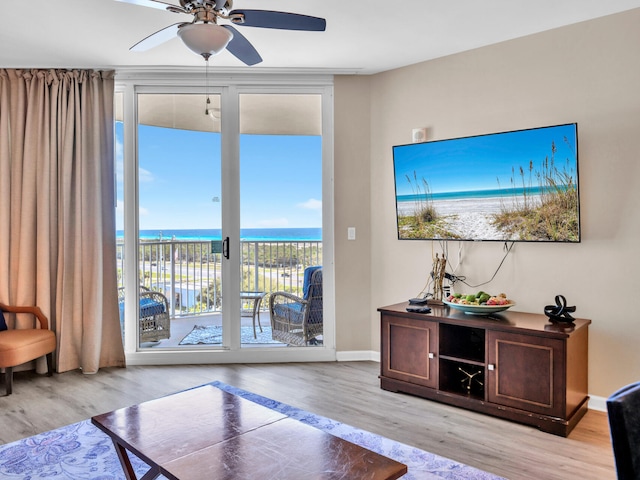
(347, 391)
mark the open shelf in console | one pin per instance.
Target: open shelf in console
(462, 378)
(462, 343)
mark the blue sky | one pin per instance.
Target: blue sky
(476, 163)
(180, 180)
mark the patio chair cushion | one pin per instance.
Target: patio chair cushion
(149, 307)
(3, 324)
(306, 285)
(293, 312)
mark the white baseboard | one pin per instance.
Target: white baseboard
(358, 356)
(595, 402)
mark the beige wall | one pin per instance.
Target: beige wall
(587, 73)
(352, 199)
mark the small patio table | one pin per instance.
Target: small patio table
(256, 297)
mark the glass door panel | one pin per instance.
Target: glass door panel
(118, 130)
(280, 218)
(179, 221)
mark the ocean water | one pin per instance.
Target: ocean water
(476, 194)
(248, 234)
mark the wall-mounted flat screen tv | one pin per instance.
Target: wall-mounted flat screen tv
(510, 186)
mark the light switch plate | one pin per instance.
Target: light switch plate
(351, 233)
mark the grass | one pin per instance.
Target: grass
(409, 228)
(424, 221)
(555, 215)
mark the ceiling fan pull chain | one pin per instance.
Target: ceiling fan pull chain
(206, 86)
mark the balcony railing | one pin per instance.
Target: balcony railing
(189, 272)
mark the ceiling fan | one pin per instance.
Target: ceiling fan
(205, 37)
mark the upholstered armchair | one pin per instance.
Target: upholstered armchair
(623, 408)
(18, 346)
(298, 320)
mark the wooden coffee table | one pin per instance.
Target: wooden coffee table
(206, 433)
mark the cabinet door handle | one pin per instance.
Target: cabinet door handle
(431, 355)
(491, 366)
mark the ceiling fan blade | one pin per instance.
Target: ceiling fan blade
(220, 4)
(280, 20)
(241, 48)
(157, 38)
(151, 3)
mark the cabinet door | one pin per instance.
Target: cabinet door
(409, 350)
(526, 372)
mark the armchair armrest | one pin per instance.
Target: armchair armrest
(35, 310)
(286, 296)
(288, 307)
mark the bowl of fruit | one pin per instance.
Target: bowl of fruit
(480, 303)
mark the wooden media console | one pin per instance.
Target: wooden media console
(514, 365)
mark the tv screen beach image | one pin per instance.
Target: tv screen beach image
(511, 186)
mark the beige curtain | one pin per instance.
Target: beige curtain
(57, 214)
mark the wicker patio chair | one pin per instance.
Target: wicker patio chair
(296, 320)
(154, 315)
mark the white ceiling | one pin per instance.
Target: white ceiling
(362, 36)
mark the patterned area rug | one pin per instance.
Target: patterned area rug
(81, 451)
(212, 335)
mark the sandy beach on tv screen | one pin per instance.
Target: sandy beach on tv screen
(469, 218)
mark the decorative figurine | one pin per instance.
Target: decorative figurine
(560, 312)
(469, 377)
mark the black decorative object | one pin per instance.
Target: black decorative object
(560, 312)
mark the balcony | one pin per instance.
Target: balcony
(188, 273)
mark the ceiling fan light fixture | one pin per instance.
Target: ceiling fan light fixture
(205, 39)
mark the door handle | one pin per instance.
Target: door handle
(225, 248)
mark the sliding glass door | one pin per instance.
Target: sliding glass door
(281, 214)
(180, 219)
(223, 214)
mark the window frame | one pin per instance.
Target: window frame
(130, 83)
